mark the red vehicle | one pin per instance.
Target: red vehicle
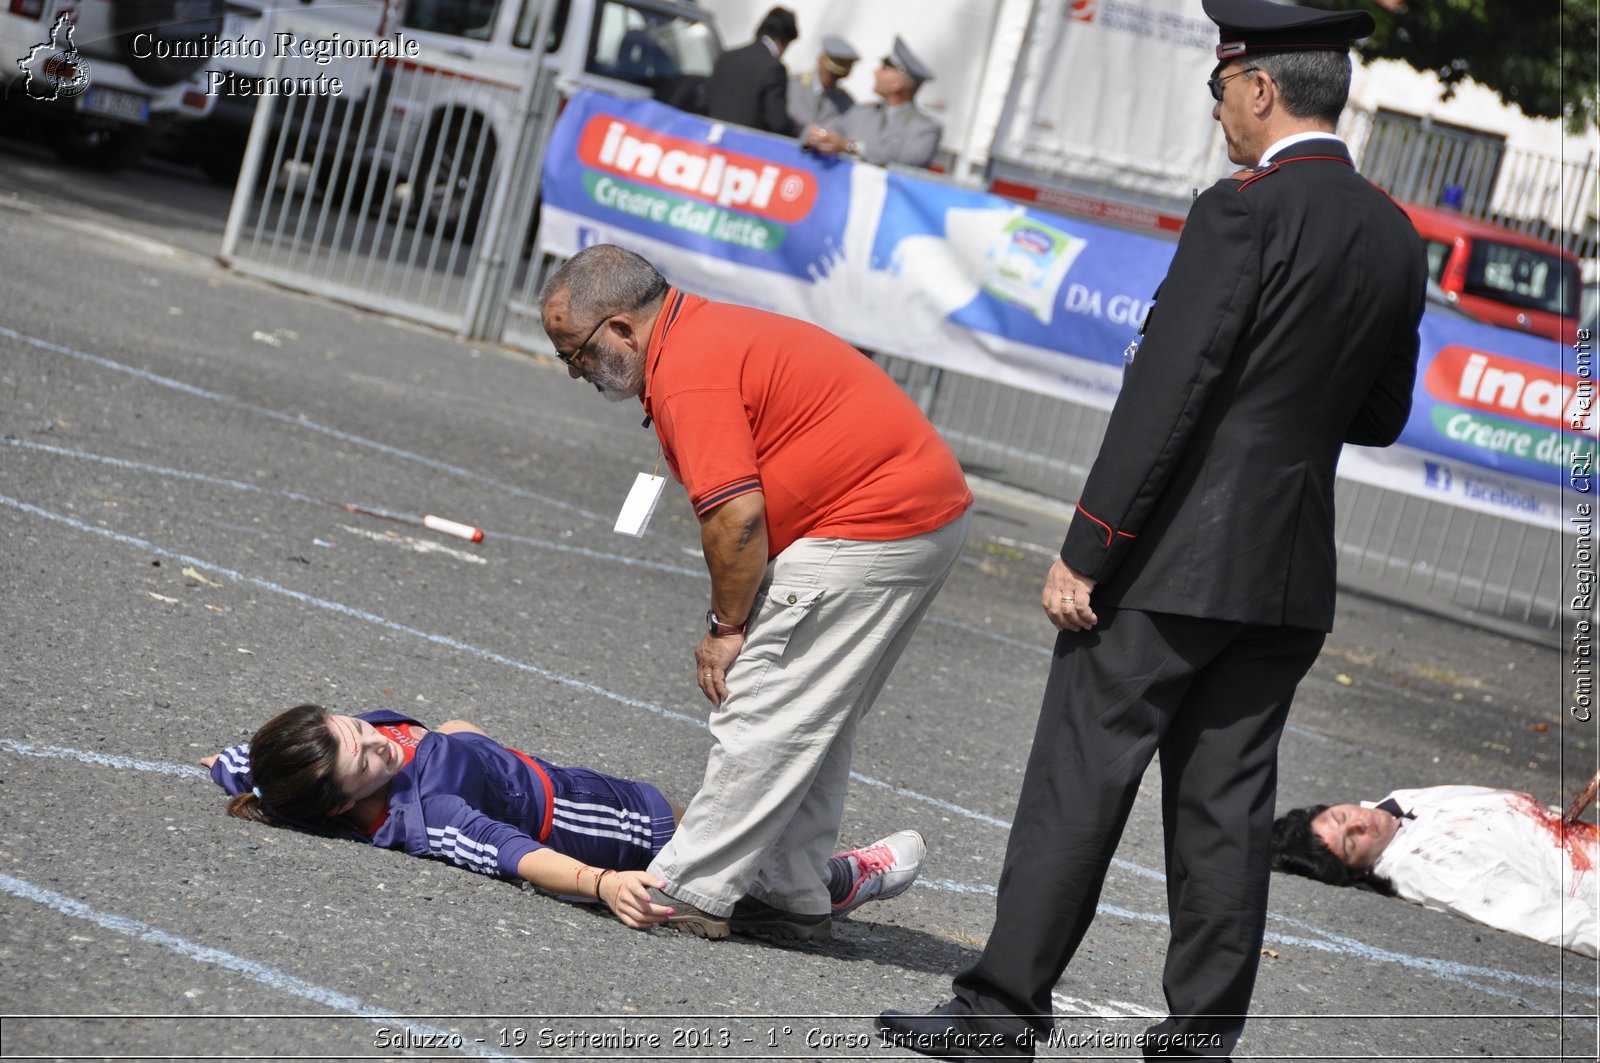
(1499, 276)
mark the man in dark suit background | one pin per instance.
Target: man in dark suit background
(749, 86)
(1196, 581)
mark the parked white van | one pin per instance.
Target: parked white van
(101, 79)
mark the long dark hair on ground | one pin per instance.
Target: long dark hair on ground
(292, 758)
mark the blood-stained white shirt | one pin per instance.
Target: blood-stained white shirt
(1498, 857)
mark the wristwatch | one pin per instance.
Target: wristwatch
(718, 628)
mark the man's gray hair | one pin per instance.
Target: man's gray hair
(1313, 84)
(604, 280)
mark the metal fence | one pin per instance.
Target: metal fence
(397, 193)
(1546, 196)
(1391, 545)
(1549, 197)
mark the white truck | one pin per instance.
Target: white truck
(438, 136)
(1094, 107)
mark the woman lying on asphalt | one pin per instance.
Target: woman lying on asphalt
(456, 794)
(1495, 856)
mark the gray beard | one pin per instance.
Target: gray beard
(613, 376)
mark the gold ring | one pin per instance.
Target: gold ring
(1067, 601)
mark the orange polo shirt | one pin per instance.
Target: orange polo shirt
(745, 400)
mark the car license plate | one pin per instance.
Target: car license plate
(113, 103)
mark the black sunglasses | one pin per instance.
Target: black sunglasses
(1215, 84)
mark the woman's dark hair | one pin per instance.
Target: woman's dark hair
(1298, 851)
(292, 758)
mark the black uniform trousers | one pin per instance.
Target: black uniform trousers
(1212, 697)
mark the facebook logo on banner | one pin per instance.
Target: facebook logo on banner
(1436, 476)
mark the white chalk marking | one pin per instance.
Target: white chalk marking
(1446, 970)
(296, 496)
(354, 613)
(270, 977)
(300, 422)
(498, 536)
(1111, 1009)
(104, 760)
(421, 546)
(1031, 647)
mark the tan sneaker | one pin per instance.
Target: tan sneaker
(689, 919)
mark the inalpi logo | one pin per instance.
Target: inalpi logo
(740, 182)
(1081, 10)
(1522, 390)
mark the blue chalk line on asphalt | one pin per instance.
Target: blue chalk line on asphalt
(1443, 968)
(1459, 973)
(296, 496)
(352, 612)
(1326, 941)
(301, 422)
(270, 977)
(246, 486)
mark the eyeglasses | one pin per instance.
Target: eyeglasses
(570, 356)
(1215, 84)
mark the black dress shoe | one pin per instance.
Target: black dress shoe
(945, 1035)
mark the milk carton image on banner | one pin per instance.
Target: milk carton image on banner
(1029, 263)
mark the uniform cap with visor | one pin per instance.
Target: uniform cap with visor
(905, 60)
(1249, 27)
(838, 55)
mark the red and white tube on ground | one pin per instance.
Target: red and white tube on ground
(451, 527)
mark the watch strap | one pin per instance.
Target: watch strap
(718, 627)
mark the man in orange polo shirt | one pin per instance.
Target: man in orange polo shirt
(831, 513)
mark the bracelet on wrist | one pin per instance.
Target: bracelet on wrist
(600, 879)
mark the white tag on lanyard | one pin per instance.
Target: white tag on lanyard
(640, 503)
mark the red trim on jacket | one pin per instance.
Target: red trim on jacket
(1299, 158)
(1110, 531)
(549, 794)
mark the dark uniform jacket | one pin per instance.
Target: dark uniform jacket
(1286, 326)
(750, 87)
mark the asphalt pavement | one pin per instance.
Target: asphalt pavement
(176, 446)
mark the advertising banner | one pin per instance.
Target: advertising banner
(890, 261)
(1497, 426)
(968, 281)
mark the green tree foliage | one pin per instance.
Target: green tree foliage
(1536, 54)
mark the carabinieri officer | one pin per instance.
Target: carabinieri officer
(1196, 582)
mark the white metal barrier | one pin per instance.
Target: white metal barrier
(391, 194)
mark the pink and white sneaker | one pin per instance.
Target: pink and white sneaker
(884, 869)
